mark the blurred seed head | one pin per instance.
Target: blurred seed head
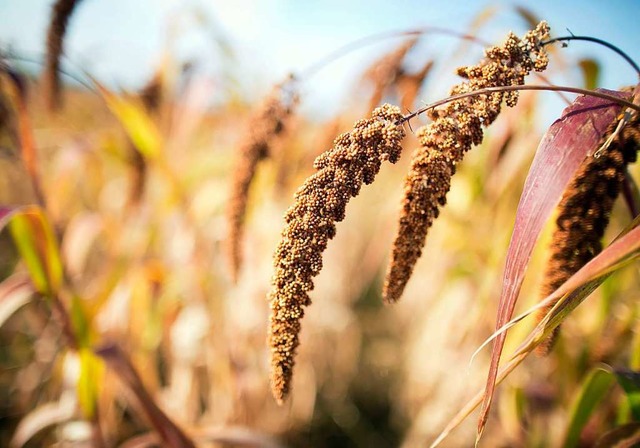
(387, 70)
(61, 13)
(268, 122)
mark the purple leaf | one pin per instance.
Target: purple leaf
(562, 149)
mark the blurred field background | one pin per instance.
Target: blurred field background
(148, 264)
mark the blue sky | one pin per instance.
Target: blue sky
(122, 41)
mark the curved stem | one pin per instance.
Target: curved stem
(597, 41)
(488, 90)
(362, 42)
(34, 60)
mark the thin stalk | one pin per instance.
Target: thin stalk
(489, 90)
(599, 42)
(368, 40)
(631, 195)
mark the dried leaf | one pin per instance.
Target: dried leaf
(168, 431)
(16, 87)
(41, 417)
(15, 292)
(624, 250)
(625, 436)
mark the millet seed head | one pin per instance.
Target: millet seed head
(457, 126)
(320, 202)
(268, 122)
(60, 15)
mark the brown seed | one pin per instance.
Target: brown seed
(320, 202)
(267, 122)
(456, 127)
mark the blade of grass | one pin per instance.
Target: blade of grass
(15, 292)
(16, 87)
(89, 381)
(630, 382)
(140, 128)
(567, 142)
(631, 195)
(625, 436)
(624, 250)
(167, 430)
(36, 243)
(41, 417)
(595, 386)
(590, 72)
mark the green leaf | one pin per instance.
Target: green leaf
(35, 240)
(630, 382)
(594, 388)
(590, 72)
(136, 122)
(80, 322)
(91, 373)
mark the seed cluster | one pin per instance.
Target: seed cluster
(583, 213)
(62, 10)
(151, 97)
(409, 85)
(267, 122)
(387, 70)
(444, 142)
(320, 202)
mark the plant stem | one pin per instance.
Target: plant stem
(488, 90)
(362, 42)
(597, 41)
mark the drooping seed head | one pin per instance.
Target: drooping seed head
(320, 202)
(457, 126)
(266, 124)
(61, 13)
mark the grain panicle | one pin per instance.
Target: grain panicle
(320, 202)
(457, 126)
